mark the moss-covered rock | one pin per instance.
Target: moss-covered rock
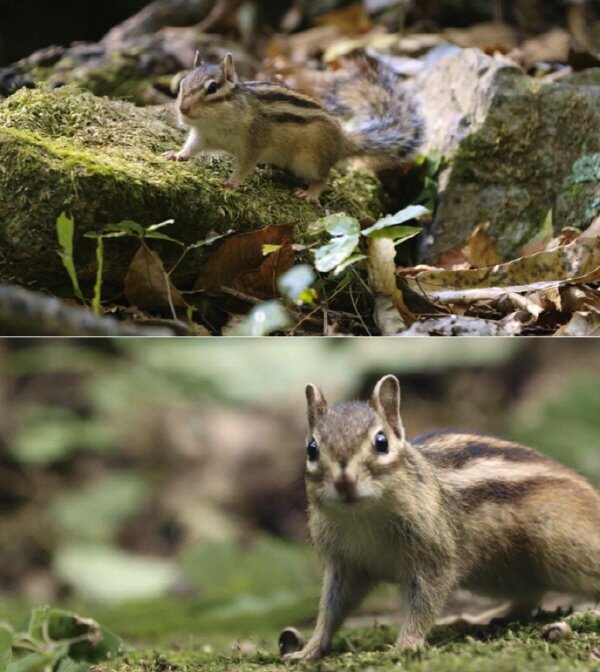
(512, 142)
(100, 160)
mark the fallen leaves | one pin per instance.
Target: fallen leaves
(549, 291)
(249, 263)
(147, 284)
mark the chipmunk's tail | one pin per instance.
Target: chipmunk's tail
(383, 121)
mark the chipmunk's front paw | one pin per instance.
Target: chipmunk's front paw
(304, 195)
(308, 653)
(172, 155)
(230, 183)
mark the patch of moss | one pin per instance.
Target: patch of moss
(100, 160)
(585, 169)
(513, 649)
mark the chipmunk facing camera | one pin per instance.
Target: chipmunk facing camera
(444, 511)
(265, 122)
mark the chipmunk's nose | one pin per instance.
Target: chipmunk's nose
(345, 484)
(184, 108)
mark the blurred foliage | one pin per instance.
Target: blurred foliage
(566, 424)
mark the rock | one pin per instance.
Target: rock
(513, 142)
(100, 161)
(557, 632)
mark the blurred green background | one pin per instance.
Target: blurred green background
(157, 484)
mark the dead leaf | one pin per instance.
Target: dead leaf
(147, 284)
(488, 36)
(349, 20)
(582, 323)
(542, 238)
(382, 280)
(551, 47)
(593, 230)
(453, 259)
(578, 262)
(480, 249)
(453, 325)
(240, 265)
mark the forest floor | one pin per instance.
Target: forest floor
(476, 649)
(185, 642)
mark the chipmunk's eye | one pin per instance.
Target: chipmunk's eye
(312, 451)
(212, 87)
(381, 443)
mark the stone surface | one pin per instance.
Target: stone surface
(513, 142)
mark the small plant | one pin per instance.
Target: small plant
(57, 641)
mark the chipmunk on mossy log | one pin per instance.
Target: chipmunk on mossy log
(266, 122)
(443, 511)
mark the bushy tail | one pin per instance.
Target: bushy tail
(383, 119)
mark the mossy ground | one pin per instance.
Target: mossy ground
(474, 649)
(173, 635)
(100, 161)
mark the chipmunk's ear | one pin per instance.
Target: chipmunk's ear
(317, 406)
(197, 59)
(228, 68)
(386, 402)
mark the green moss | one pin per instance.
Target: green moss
(100, 160)
(585, 169)
(516, 649)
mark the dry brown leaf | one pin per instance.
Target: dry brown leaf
(575, 299)
(578, 262)
(147, 284)
(382, 280)
(240, 265)
(582, 323)
(480, 249)
(488, 36)
(349, 20)
(453, 259)
(453, 325)
(593, 230)
(551, 47)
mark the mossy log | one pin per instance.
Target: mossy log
(100, 161)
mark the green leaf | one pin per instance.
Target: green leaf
(397, 233)
(339, 224)
(32, 662)
(69, 665)
(127, 226)
(106, 574)
(98, 285)
(6, 640)
(331, 255)
(352, 259)
(155, 227)
(65, 227)
(50, 434)
(97, 509)
(269, 249)
(404, 215)
(96, 643)
(163, 236)
(295, 281)
(264, 319)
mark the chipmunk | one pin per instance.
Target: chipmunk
(436, 513)
(270, 123)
